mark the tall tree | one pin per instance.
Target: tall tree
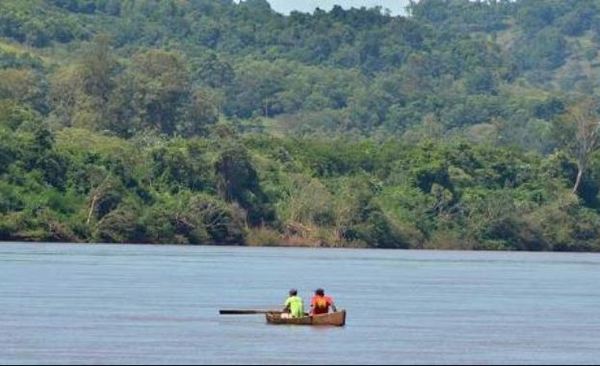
(162, 88)
(582, 122)
(99, 66)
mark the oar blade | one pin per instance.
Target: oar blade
(244, 311)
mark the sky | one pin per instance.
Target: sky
(285, 6)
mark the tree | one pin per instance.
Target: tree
(255, 87)
(581, 129)
(162, 87)
(65, 94)
(80, 93)
(213, 71)
(23, 86)
(203, 111)
(99, 66)
(238, 181)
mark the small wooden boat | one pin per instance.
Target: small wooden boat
(335, 319)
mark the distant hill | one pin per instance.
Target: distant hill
(207, 101)
(468, 64)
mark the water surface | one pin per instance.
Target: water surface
(111, 304)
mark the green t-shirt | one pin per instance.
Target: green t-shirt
(296, 306)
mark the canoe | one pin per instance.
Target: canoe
(336, 319)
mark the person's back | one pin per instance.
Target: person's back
(320, 303)
(294, 305)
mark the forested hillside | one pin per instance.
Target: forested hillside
(463, 125)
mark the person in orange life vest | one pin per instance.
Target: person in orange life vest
(320, 303)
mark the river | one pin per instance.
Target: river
(146, 304)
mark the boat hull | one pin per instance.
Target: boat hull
(337, 319)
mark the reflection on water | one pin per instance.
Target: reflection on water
(107, 304)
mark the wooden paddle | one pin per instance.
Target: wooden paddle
(246, 312)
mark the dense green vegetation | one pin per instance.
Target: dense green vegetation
(464, 125)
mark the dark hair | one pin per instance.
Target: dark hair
(320, 292)
(293, 292)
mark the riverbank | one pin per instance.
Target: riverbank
(261, 190)
(273, 240)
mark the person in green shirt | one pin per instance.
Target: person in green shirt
(294, 307)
